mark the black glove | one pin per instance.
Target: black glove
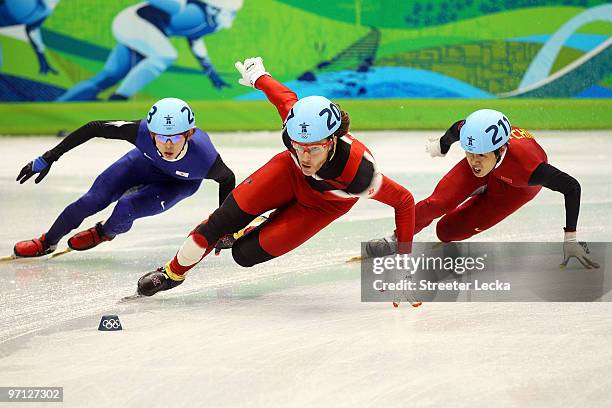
(451, 136)
(38, 165)
(225, 242)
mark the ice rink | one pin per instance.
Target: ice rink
(291, 332)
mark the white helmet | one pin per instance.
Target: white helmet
(170, 116)
(484, 131)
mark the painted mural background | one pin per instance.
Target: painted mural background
(80, 50)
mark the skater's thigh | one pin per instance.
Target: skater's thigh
(483, 211)
(156, 198)
(268, 188)
(129, 171)
(140, 35)
(286, 229)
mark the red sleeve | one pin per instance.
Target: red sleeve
(281, 96)
(402, 201)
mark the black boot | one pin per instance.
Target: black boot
(156, 281)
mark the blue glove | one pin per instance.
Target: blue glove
(38, 165)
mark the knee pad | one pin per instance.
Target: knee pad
(193, 250)
(241, 258)
(247, 251)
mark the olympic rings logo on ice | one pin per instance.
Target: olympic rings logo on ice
(111, 324)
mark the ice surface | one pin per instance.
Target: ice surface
(291, 332)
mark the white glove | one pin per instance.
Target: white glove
(432, 146)
(251, 70)
(578, 250)
(382, 246)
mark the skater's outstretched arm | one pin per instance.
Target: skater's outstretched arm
(549, 176)
(108, 129)
(398, 197)
(438, 146)
(254, 74)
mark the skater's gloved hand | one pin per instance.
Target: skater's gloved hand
(578, 250)
(439, 146)
(225, 242)
(44, 67)
(432, 146)
(38, 165)
(382, 246)
(251, 70)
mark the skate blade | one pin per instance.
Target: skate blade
(396, 304)
(129, 298)
(357, 258)
(9, 258)
(60, 253)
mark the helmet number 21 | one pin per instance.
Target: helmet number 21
(331, 112)
(495, 139)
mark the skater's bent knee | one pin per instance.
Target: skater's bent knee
(446, 232)
(443, 231)
(248, 252)
(125, 209)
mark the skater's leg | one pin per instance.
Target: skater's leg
(483, 211)
(148, 200)
(268, 188)
(286, 229)
(107, 188)
(116, 67)
(148, 41)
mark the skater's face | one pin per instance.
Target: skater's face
(312, 156)
(170, 146)
(482, 164)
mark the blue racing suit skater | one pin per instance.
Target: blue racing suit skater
(171, 158)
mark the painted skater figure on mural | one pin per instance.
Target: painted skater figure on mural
(31, 14)
(144, 50)
(317, 179)
(171, 158)
(504, 168)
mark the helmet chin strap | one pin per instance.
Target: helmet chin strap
(500, 156)
(332, 151)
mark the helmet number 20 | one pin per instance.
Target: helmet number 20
(495, 139)
(331, 112)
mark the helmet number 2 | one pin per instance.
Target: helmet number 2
(332, 113)
(190, 117)
(151, 113)
(495, 139)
